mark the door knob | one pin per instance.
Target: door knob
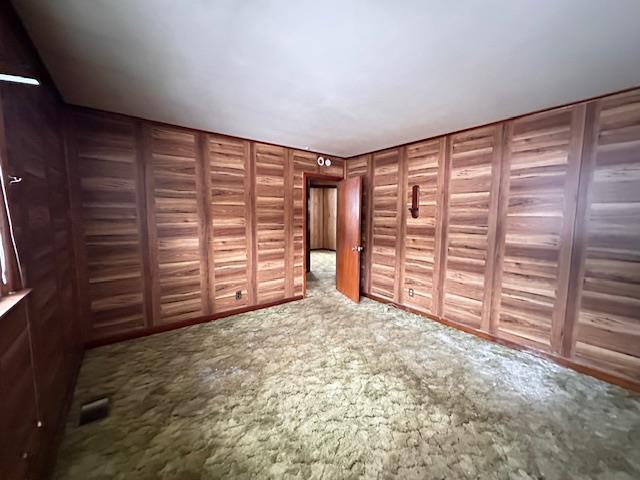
(357, 248)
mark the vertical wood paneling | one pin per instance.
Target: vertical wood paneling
(359, 166)
(607, 303)
(289, 247)
(534, 232)
(329, 217)
(316, 217)
(270, 168)
(442, 224)
(229, 168)
(385, 193)
(173, 209)
(473, 157)
(420, 242)
(200, 218)
(322, 218)
(540, 176)
(401, 218)
(105, 166)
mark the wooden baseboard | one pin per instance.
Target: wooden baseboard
(608, 377)
(121, 337)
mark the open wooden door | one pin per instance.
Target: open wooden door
(348, 246)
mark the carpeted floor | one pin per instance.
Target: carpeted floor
(323, 388)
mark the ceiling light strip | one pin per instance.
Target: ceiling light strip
(18, 79)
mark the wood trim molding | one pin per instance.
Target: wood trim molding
(145, 201)
(289, 249)
(77, 227)
(565, 362)
(442, 225)
(401, 218)
(500, 228)
(186, 323)
(369, 227)
(203, 189)
(306, 176)
(252, 244)
(8, 302)
(494, 200)
(574, 161)
(577, 254)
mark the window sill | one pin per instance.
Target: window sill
(9, 301)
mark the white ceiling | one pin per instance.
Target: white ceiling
(341, 77)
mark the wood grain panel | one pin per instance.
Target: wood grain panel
(316, 218)
(473, 183)
(39, 210)
(535, 240)
(361, 166)
(420, 242)
(607, 323)
(336, 169)
(229, 182)
(540, 178)
(329, 217)
(107, 184)
(384, 222)
(19, 413)
(270, 169)
(322, 218)
(175, 227)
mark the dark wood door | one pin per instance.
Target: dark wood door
(348, 238)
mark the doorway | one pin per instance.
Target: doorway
(331, 237)
(321, 233)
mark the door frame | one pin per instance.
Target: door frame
(306, 176)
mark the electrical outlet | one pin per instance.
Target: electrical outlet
(411, 292)
(238, 294)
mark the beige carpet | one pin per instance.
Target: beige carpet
(323, 388)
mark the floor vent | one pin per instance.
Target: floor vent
(95, 410)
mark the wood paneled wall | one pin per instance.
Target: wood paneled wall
(272, 244)
(19, 413)
(421, 245)
(230, 236)
(604, 311)
(322, 218)
(107, 181)
(470, 224)
(540, 169)
(528, 232)
(386, 222)
(176, 225)
(40, 347)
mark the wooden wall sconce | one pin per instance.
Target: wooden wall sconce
(415, 201)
